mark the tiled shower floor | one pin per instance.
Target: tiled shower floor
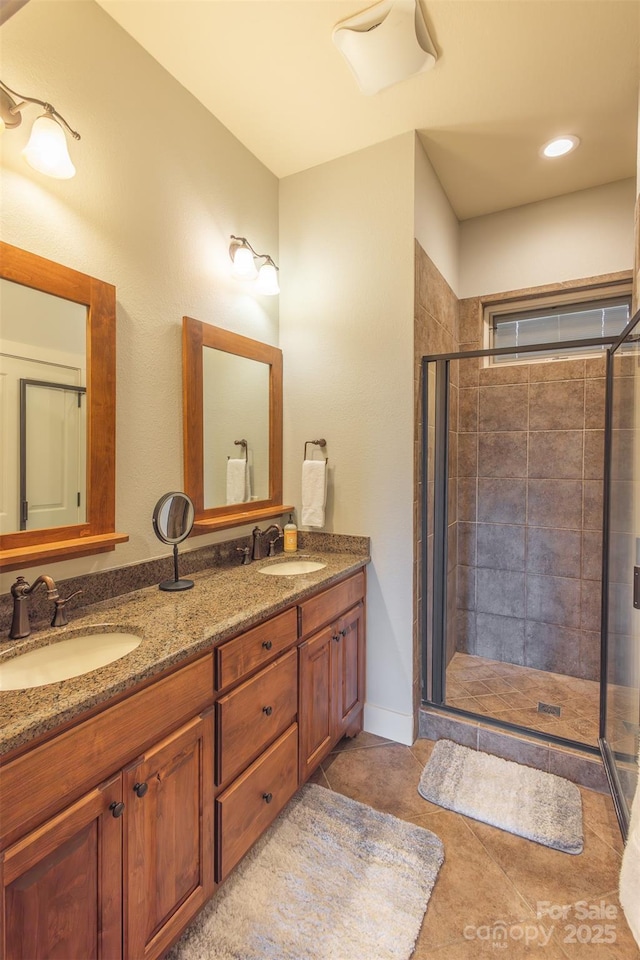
(511, 693)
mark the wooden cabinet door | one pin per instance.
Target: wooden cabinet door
(168, 841)
(62, 883)
(314, 711)
(347, 662)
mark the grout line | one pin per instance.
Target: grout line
(492, 858)
(325, 776)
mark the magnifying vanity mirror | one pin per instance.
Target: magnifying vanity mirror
(172, 522)
(232, 426)
(57, 372)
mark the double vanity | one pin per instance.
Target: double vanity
(148, 743)
(130, 792)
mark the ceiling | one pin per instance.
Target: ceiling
(511, 74)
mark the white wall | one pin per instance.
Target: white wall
(580, 234)
(436, 226)
(346, 330)
(160, 186)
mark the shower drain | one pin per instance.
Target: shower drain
(550, 708)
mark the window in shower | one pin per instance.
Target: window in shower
(557, 318)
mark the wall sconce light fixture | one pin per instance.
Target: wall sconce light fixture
(244, 258)
(46, 150)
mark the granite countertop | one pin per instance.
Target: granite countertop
(225, 601)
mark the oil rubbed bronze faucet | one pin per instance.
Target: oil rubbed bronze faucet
(260, 538)
(20, 627)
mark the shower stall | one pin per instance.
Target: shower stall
(531, 543)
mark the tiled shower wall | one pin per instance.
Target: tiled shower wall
(530, 468)
(525, 493)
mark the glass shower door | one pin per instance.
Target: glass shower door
(620, 714)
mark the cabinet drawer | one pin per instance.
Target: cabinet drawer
(255, 713)
(326, 606)
(253, 649)
(244, 810)
(44, 780)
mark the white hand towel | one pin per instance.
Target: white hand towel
(314, 492)
(630, 872)
(238, 489)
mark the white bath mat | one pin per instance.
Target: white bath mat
(331, 879)
(530, 803)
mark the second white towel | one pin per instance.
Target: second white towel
(314, 492)
(238, 483)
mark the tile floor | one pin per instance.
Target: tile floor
(510, 692)
(489, 875)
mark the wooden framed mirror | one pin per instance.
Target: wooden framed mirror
(57, 369)
(232, 417)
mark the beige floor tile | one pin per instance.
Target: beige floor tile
(492, 703)
(597, 929)
(454, 687)
(600, 815)
(464, 703)
(542, 874)
(384, 777)
(318, 776)
(473, 688)
(585, 730)
(539, 945)
(471, 889)
(422, 750)
(520, 701)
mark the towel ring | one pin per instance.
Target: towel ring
(245, 447)
(316, 443)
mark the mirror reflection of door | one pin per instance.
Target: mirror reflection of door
(52, 467)
(42, 338)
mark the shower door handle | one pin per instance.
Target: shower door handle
(636, 587)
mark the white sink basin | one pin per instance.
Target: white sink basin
(64, 659)
(292, 568)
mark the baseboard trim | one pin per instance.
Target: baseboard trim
(389, 724)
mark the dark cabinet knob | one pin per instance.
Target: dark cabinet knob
(267, 710)
(267, 644)
(117, 809)
(336, 637)
(343, 633)
(140, 789)
(267, 797)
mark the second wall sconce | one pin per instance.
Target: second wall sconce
(244, 258)
(47, 149)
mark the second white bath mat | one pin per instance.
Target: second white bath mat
(530, 803)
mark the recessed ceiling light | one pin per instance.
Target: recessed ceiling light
(559, 146)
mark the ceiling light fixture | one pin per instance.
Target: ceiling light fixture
(244, 257)
(559, 146)
(47, 149)
(385, 44)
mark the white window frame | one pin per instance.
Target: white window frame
(548, 301)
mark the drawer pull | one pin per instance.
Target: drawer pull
(343, 633)
(140, 789)
(267, 797)
(117, 809)
(267, 710)
(336, 637)
(267, 644)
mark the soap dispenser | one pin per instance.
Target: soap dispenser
(290, 536)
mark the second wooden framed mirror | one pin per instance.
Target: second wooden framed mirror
(232, 424)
